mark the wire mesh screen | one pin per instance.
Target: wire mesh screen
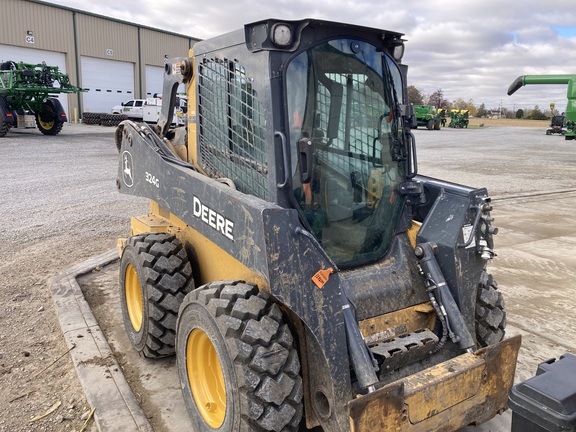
(232, 133)
(357, 120)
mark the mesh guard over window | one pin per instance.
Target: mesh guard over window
(232, 127)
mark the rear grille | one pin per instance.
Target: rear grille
(232, 133)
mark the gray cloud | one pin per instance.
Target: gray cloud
(471, 50)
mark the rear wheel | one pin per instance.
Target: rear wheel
(47, 120)
(4, 126)
(490, 313)
(155, 276)
(238, 368)
(437, 124)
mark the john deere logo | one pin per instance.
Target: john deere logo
(127, 174)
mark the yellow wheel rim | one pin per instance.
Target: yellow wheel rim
(206, 378)
(47, 125)
(133, 297)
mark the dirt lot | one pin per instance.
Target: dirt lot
(60, 207)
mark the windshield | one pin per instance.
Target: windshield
(346, 147)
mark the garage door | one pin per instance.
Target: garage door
(155, 81)
(28, 55)
(109, 82)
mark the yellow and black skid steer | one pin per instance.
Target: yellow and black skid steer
(295, 262)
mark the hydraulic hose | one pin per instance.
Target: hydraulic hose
(457, 328)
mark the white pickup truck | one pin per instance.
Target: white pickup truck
(133, 108)
(153, 107)
(148, 110)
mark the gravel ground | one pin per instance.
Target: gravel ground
(60, 206)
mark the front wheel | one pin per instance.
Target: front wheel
(47, 120)
(238, 369)
(490, 313)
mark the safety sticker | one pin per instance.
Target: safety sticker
(321, 277)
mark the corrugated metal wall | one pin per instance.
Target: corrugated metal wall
(155, 46)
(52, 29)
(97, 35)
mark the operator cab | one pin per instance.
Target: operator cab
(314, 121)
(347, 146)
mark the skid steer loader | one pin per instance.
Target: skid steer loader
(300, 269)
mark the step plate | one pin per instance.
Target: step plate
(406, 349)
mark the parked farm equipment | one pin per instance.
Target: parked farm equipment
(458, 118)
(553, 79)
(29, 91)
(426, 115)
(557, 125)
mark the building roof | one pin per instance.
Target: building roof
(45, 3)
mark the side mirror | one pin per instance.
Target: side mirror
(305, 159)
(121, 103)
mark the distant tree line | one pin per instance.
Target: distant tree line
(437, 99)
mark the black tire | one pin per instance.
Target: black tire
(4, 126)
(155, 276)
(239, 370)
(490, 313)
(115, 119)
(118, 137)
(87, 118)
(91, 118)
(106, 119)
(430, 124)
(437, 124)
(47, 121)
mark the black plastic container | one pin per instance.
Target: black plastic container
(547, 401)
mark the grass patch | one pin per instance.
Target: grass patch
(488, 122)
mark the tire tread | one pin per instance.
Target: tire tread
(261, 348)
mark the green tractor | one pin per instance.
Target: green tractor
(30, 90)
(426, 115)
(554, 79)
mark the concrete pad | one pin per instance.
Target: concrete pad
(101, 378)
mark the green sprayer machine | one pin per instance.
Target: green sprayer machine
(553, 79)
(29, 91)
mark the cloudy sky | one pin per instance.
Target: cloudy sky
(471, 49)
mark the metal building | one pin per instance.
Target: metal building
(114, 59)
